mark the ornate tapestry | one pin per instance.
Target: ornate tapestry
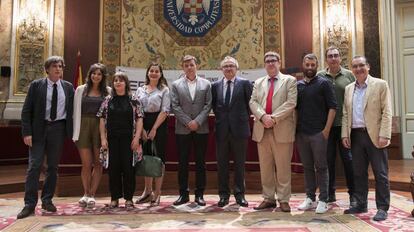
(136, 32)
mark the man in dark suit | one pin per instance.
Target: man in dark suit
(191, 104)
(46, 120)
(230, 103)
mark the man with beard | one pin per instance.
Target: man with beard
(316, 110)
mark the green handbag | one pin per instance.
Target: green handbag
(150, 164)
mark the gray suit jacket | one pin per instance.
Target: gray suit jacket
(186, 109)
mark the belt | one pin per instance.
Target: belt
(54, 122)
(360, 129)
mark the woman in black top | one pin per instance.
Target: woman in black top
(121, 127)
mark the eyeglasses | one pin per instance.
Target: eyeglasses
(330, 56)
(358, 65)
(271, 61)
(229, 66)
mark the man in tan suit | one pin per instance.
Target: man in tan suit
(366, 129)
(273, 103)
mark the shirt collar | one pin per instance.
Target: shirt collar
(337, 74)
(191, 81)
(276, 77)
(362, 86)
(232, 79)
(50, 83)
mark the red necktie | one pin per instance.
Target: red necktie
(269, 96)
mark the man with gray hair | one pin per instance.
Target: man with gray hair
(316, 111)
(230, 103)
(273, 104)
(46, 121)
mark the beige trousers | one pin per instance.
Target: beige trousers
(275, 167)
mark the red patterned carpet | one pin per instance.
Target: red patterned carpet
(190, 217)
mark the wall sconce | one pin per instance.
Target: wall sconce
(31, 43)
(337, 27)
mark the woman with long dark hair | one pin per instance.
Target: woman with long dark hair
(155, 98)
(88, 98)
(121, 127)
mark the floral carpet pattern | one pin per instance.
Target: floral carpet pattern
(210, 218)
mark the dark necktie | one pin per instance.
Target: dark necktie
(270, 96)
(53, 109)
(228, 92)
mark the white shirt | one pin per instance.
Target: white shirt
(192, 84)
(61, 110)
(358, 120)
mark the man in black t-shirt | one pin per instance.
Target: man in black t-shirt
(316, 108)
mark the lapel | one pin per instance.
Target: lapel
(279, 83)
(350, 99)
(367, 91)
(43, 94)
(186, 89)
(197, 90)
(66, 91)
(236, 88)
(220, 91)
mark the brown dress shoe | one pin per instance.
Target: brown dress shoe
(284, 206)
(265, 205)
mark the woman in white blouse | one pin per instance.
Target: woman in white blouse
(155, 98)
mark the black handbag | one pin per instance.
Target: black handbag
(150, 164)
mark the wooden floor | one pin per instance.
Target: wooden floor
(12, 180)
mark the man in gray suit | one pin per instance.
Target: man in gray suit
(191, 104)
(46, 120)
(231, 96)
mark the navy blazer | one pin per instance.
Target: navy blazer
(234, 118)
(34, 109)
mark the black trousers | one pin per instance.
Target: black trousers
(50, 145)
(334, 142)
(363, 153)
(121, 171)
(224, 147)
(184, 145)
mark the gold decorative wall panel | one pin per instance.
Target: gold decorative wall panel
(31, 43)
(337, 27)
(132, 37)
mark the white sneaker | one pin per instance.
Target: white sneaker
(307, 204)
(91, 202)
(83, 201)
(322, 207)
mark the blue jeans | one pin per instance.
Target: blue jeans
(335, 142)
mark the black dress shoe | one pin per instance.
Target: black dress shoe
(50, 207)
(181, 200)
(223, 202)
(241, 201)
(355, 210)
(26, 212)
(200, 201)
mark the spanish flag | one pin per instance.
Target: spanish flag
(78, 73)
